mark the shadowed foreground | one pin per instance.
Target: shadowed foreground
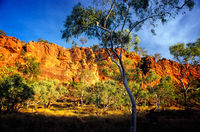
(172, 121)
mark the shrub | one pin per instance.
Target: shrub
(103, 94)
(30, 68)
(47, 91)
(14, 91)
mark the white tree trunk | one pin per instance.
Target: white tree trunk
(133, 102)
(133, 116)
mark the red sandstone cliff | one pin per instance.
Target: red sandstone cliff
(67, 64)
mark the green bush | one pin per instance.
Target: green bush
(164, 92)
(103, 94)
(14, 91)
(48, 91)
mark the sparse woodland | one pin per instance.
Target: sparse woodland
(122, 93)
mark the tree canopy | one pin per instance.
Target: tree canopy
(121, 18)
(113, 25)
(186, 55)
(14, 91)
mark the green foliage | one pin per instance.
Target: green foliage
(6, 71)
(164, 92)
(193, 91)
(3, 33)
(153, 76)
(47, 91)
(90, 20)
(141, 95)
(102, 63)
(40, 40)
(128, 61)
(103, 94)
(106, 71)
(44, 41)
(186, 54)
(113, 66)
(88, 77)
(111, 72)
(31, 68)
(14, 91)
(81, 20)
(114, 26)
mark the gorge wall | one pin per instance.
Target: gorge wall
(67, 64)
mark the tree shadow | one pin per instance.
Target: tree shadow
(164, 121)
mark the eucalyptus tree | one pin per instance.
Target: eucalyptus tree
(113, 25)
(186, 55)
(157, 56)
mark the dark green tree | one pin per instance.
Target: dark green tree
(115, 23)
(186, 55)
(14, 91)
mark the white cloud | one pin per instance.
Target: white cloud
(184, 28)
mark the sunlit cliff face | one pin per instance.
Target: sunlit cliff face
(68, 64)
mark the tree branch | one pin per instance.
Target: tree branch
(103, 28)
(123, 29)
(111, 8)
(143, 20)
(180, 7)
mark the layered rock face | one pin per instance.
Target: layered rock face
(56, 62)
(67, 64)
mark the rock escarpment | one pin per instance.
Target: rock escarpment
(67, 64)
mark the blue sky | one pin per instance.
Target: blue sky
(32, 19)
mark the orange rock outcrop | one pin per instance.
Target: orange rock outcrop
(67, 64)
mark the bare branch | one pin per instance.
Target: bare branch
(112, 48)
(111, 8)
(126, 17)
(180, 7)
(123, 29)
(103, 28)
(143, 20)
